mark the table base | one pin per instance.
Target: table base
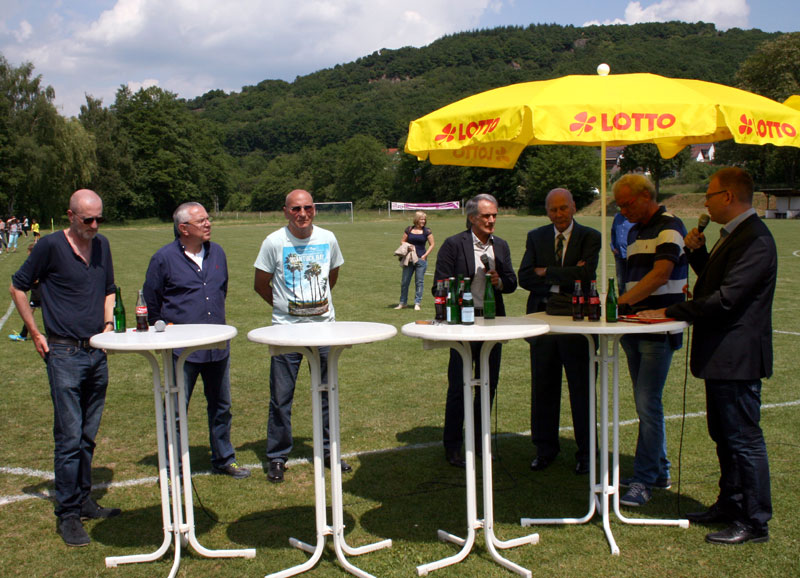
(177, 515)
(600, 493)
(323, 529)
(473, 523)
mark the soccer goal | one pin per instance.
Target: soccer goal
(333, 213)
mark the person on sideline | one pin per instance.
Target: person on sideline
(417, 235)
(76, 276)
(295, 297)
(556, 256)
(656, 275)
(732, 351)
(461, 255)
(187, 282)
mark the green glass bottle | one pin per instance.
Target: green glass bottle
(467, 304)
(119, 313)
(453, 308)
(611, 303)
(489, 305)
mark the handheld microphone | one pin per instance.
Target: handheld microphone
(485, 261)
(702, 222)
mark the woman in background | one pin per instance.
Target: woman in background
(418, 235)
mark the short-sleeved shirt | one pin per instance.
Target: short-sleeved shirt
(418, 239)
(300, 269)
(73, 293)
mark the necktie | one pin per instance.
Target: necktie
(722, 234)
(559, 249)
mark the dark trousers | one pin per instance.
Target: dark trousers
(549, 353)
(454, 408)
(733, 412)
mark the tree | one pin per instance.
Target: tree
(645, 157)
(548, 167)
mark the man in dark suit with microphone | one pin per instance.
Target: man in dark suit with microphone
(555, 257)
(466, 254)
(732, 351)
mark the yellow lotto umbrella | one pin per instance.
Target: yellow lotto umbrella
(492, 128)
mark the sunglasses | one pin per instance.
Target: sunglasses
(90, 220)
(296, 209)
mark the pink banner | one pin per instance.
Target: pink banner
(426, 206)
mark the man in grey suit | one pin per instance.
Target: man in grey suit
(556, 256)
(732, 351)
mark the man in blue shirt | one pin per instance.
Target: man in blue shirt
(656, 275)
(76, 280)
(187, 282)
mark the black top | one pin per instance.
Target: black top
(73, 293)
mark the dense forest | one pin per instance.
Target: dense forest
(339, 132)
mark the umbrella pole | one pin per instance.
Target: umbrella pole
(603, 236)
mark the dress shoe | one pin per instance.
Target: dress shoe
(454, 458)
(72, 531)
(233, 470)
(345, 466)
(540, 463)
(738, 533)
(581, 467)
(91, 510)
(275, 471)
(714, 515)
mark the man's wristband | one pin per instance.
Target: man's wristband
(111, 323)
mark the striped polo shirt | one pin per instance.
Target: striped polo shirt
(659, 238)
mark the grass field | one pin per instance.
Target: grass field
(392, 405)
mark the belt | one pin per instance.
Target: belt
(81, 343)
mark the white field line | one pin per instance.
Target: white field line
(46, 495)
(5, 317)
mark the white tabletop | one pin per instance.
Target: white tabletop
(565, 324)
(173, 337)
(498, 329)
(322, 334)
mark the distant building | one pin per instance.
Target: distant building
(787, 203)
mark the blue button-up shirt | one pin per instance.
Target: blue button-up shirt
(178, 291)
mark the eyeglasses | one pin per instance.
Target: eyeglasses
(199, 222)
(627, 204)
(296, 209)
(709, 195)
(90, 220)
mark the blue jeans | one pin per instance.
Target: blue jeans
(78, 382)
(217, 389)
(649, 358)
(405, 281)
(282, 380)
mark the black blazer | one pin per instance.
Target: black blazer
(732, 305)
(584, 245)
(456, 257)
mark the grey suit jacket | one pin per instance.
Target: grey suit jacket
(732, 305)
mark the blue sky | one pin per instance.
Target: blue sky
(193, 46)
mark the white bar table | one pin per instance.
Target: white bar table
(306, 339)
(458, 337)
(608, 335)
(178, 517)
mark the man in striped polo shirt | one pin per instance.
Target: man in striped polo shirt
(656, 276)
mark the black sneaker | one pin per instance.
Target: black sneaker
(661, 483)
(233, 470)
(72, 531)
(91, 510)
(275, 471)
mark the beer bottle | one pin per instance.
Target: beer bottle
(577, 302)
(460, 289)
(611, 303)
(141, 313)
(593, 303)
(453, 309)
(489, 306)
(467, 305)
(440, 301)
(119, 313)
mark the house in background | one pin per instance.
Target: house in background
(787, 203)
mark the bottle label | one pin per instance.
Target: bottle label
(468, 315)
(594, 300)
(141, 310)
(440, 300)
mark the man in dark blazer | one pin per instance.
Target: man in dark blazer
(462, 254)
(556, 256)
(732, 351)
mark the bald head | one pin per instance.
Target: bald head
(560, 208)
(81, 197)
(85, 214)
(299, 211)
(292, 197)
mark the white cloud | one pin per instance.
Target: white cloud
(192, 46)
(723, 13)
(24, 32)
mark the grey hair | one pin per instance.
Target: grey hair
(471, 206)
(638, 184)
(181, 214)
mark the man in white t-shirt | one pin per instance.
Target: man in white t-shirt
(295, 270)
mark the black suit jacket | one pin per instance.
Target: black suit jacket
(457, 257)
(732, 305)
(584, 245)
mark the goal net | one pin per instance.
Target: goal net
(333, 213)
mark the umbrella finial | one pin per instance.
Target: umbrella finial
(603, 69)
